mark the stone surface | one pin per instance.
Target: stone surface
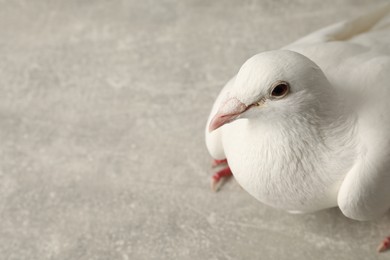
(102, 110)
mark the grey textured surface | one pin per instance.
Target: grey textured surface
(102, 110)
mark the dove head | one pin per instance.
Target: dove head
(273, 85)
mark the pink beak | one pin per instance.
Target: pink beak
(228, 112)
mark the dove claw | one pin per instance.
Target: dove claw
(216, 178)
(385, 245)
(216, 163)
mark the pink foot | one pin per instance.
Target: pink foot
(385, 245)
(216, 163)
(224, 173)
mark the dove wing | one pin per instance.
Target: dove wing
(365, 191)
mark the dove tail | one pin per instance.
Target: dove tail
(361, 24)
(346, 29)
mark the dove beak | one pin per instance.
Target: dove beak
(227, 113)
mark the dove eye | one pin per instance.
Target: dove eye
(280, 89)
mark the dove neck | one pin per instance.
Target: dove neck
(333, 126)
(322, 134)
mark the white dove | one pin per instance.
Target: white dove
(307, 127)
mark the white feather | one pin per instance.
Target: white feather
(328, 142)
